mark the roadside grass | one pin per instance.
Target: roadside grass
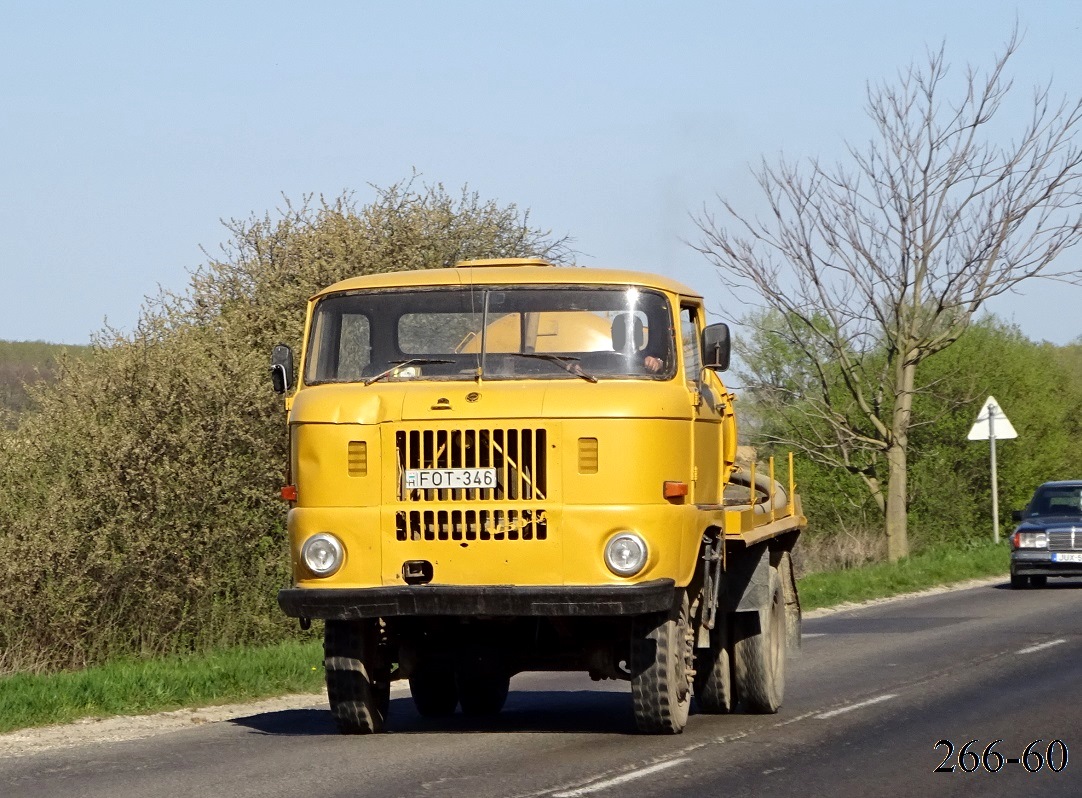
(244, 674)
(135, 688)
(940, 566)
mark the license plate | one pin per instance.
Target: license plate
(1067, 556)
(450, 478)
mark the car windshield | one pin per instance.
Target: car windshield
(459, 333)
(1057, 500)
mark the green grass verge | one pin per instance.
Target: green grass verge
(928, 569)
(131, 688)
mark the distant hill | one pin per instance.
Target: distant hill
(24, 362)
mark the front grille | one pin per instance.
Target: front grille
(519, 455)
(472, 524)
(1065, 539)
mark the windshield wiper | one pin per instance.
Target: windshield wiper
(413, 361)
(569, 364)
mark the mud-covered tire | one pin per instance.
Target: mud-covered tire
(434, 690)
(482, 693)
(759, 654)
(713, 671)
(794, 621)
(661, 670)
(358, 675)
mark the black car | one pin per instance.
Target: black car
(1048, 539)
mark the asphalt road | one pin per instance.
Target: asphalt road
(872, 694)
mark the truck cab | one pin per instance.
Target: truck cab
(508, 466)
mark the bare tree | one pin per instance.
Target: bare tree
(871, 267)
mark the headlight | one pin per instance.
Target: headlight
(625, 554)
(1031, 540)
(322, 554)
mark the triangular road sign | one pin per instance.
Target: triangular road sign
(1000, 424)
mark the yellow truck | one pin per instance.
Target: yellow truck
(506, 467)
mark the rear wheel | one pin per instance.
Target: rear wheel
(434, 690)
(759, 654)
(358, 675)
(482, 693)
(661, 670)
(713, 671)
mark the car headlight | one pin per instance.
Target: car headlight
(1031, 540)
(625, 554)
(322, 554)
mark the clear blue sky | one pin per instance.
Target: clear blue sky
(127, 130)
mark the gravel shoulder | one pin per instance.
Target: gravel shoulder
(89, 731)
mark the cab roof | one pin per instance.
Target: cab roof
(507, 271)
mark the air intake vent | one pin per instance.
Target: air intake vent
(587, 455)
(357, 462)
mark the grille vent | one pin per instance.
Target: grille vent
(1065, 539)
(519, 455)
(473, 524)
(587, 455)
(357, 459)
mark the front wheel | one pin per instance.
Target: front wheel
(358, 675)
(1039, 581)
(1018, 581)
(661, 670)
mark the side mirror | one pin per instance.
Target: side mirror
(281, 368)
(1016, 516)
(716, 347)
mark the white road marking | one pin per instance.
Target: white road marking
(851, 707)
(815, 634)
(1041, 646)
(622, 779)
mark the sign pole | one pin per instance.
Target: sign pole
(995, 481)
(992, 423)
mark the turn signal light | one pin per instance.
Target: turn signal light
(674, 490)
(289, 493)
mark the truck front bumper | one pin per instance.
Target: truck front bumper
(492, 600)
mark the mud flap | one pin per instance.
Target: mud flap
(793, 615)
(747, 588)
(747, 582)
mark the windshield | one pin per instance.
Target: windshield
(1057, 500)
(457, 333)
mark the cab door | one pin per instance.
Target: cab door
(709, 405)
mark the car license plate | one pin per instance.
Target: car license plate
(450, 478)
(1067, 556)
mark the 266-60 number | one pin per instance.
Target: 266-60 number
(1034, 758)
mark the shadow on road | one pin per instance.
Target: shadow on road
(1054, 583)
(554, 712)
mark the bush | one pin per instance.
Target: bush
(140, 514)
